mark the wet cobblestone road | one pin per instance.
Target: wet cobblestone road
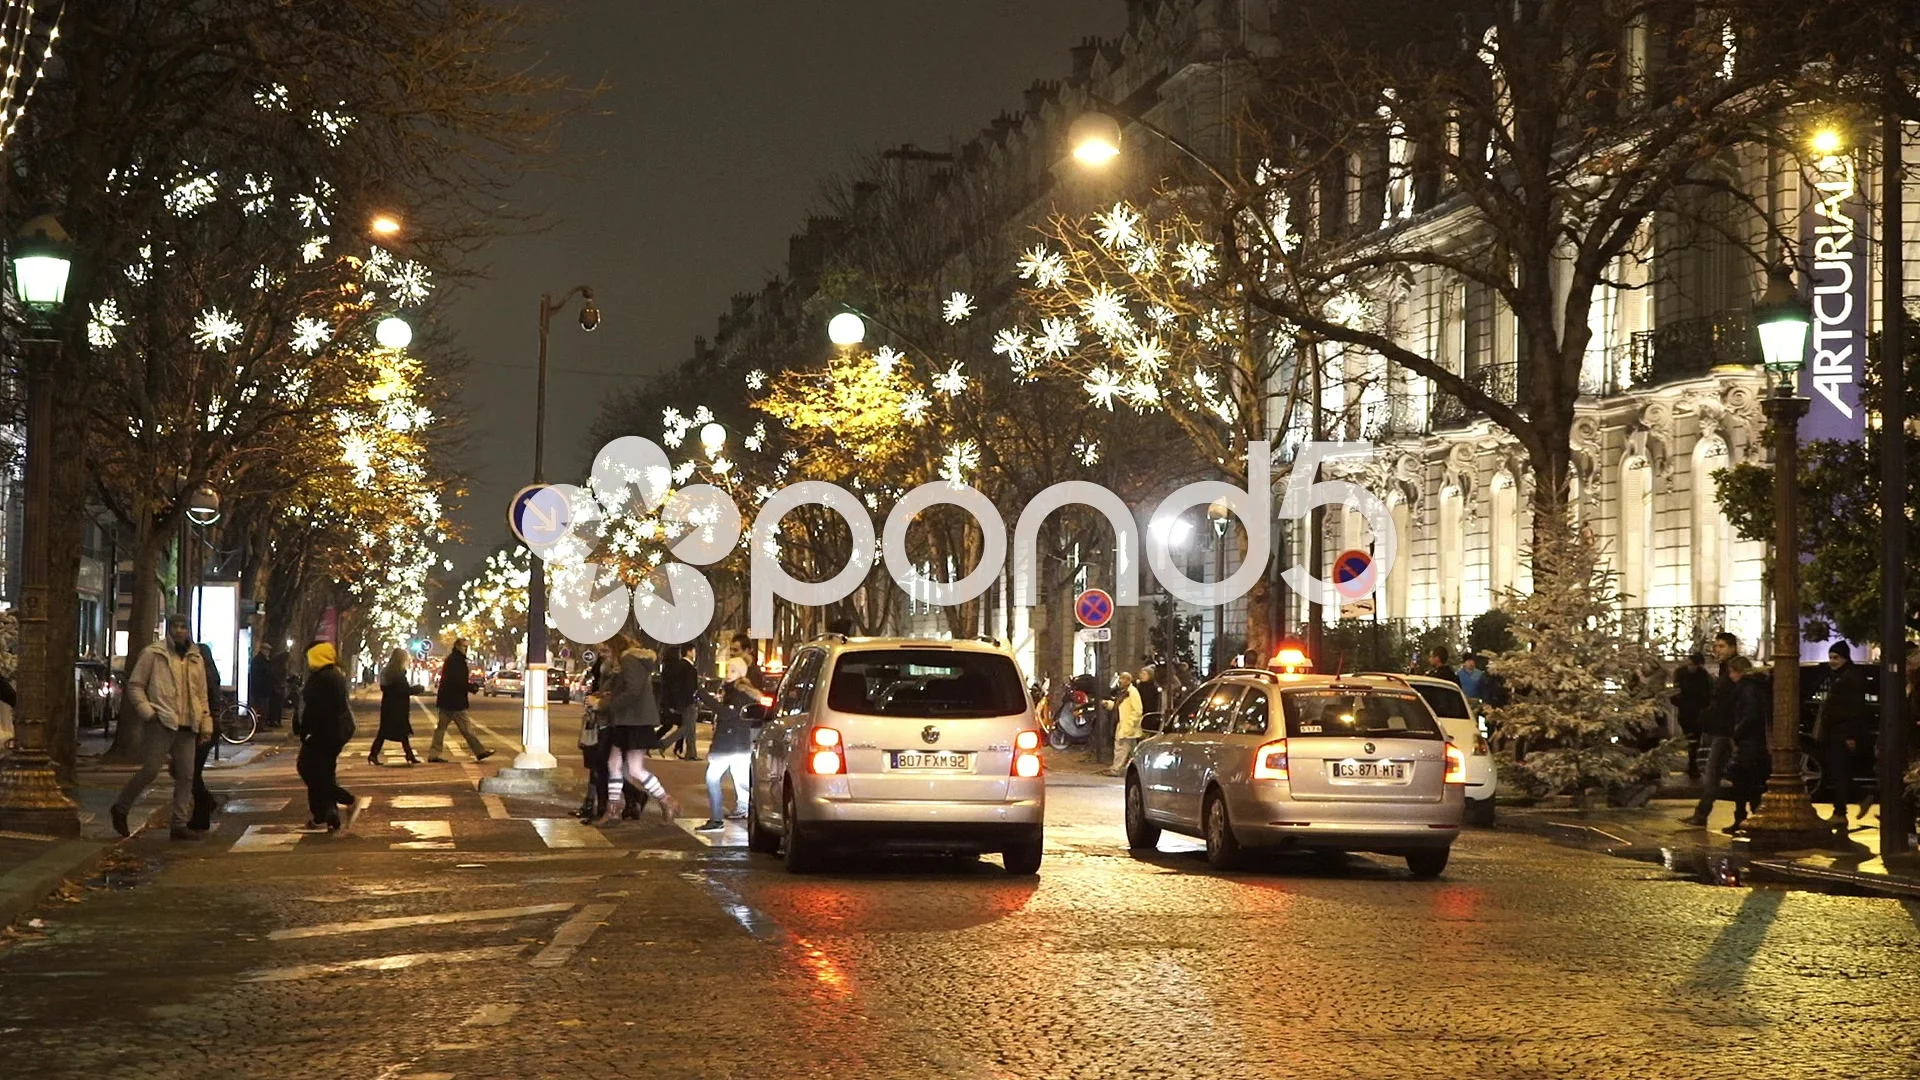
(503, 942)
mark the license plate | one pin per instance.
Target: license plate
(1370, 770)
(933, 761)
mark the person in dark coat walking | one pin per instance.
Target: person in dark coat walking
(1716, 729)
(1840, 728)
(633, 730)
(732, 745)
(452, 702)
(1693, 689)
(1751, 707)
(396, 709)
(326, 726)
(680, 700)
(204, 804)
(264, 686)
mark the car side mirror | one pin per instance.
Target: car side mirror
(1150, 723)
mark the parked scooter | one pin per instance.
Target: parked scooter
(1071, 721)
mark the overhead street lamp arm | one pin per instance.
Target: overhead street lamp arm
(925, 353)
(1119, 113)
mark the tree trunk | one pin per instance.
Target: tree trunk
(143, 612)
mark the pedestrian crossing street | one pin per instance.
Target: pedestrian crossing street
(408, 822)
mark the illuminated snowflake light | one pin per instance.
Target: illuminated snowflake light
(753, 442)
(702, 416)
(309, 334)
(100, 328)
(1202, 381)
(332, 126)
(885, 359)
(1046, 269)
(1141, 393)
(273, 98)
(683, 472)
(315, 249)
(673, 437)
(1160, 315)
(1148, 354)
(1087, 452)
(1119, 227)
(951, 382)
(1106, 310)
(1058, 337)
(192, 195)
(957, 307)
(1141, 259)
(960, 459)
(1348, 309)
(1012, 344)
(914, 406)
(1196, 261)
(1101, 385)
(671, 418)
(312, 214)
(215, 329)
(756, 379)
(409, 283)
(378, 265)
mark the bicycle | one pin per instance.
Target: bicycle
(237, 724)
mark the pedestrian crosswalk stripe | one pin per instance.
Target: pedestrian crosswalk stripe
(420, 802)
(255, 806)
(268, 838)
(573, 934)
(384, 963)
(396, 922)
(428, 835)
(569, 833)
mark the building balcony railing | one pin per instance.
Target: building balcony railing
(1690, 628)
(1607, 370)
(1392, 416)
(1500, 382)
(1689, 348)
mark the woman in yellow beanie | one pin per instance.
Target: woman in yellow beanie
(326, 726)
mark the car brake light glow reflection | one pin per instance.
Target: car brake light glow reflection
(825, 760)
(1270, 761)
(1456, 765)
(1026, 756)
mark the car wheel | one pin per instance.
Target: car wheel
(1428, 863)
(1023, 860)
(1142, 835)
(760, 839)
(1223, 848)
(801, 856)
(1480, 812)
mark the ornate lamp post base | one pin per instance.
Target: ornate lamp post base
(1786, 818)
(31, 800)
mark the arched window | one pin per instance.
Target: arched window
(1503, 535)
(1636, 530)
(1402, 569)
(1712, 535)
(1451, 548)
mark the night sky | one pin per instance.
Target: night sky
(722, 120)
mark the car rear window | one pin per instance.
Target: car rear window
(1445, 701)
(1333, 712)
(925, 682)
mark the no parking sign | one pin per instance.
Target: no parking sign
(1353, 575)
(1093, 608)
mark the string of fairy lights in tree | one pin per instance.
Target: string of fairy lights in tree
(17, 45)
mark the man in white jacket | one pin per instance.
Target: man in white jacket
(168, 690)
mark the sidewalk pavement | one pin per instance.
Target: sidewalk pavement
(34, 867)
(1658, 828)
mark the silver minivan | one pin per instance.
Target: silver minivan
(1255, 759)
(899, 744)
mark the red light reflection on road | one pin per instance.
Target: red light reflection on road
(826, 971)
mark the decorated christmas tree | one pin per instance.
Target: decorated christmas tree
(1584, 707)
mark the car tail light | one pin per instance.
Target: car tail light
(1270, 761)
(825, 758)
(1456, 765)
(1026, 754)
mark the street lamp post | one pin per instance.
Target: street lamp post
(1786, 818)
(30, 796)
(533, 710)
(1221, 514)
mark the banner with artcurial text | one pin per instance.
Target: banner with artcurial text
(1834, 231)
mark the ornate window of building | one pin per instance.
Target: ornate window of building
(1503, 536)
(1450, 549)
(1712, 555)
(1402, 569)
(1636, 529)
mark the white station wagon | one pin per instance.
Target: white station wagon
(899, 744)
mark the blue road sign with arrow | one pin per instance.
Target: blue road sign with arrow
(539, 515)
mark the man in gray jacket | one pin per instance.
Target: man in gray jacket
(168, 690)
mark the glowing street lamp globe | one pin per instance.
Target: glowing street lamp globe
(1782, 318)
(42, 258)
(1094, 138)
(393, 333)
(846, 330)
(713, 437)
